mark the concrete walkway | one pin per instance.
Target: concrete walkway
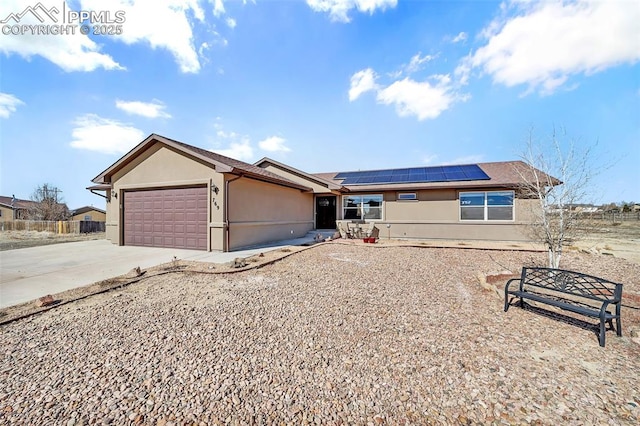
(29, 273)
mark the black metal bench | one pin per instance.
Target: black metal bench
(571, 291)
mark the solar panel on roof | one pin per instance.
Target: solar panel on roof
(414, 175)
(453, 175)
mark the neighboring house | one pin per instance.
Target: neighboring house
(165, 193)
(89, 213)
(584, 208)
(12, 208)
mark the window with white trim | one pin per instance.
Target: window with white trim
(486, 205)
(404, 196)
(362, 207)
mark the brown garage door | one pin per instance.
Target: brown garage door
(166, 218)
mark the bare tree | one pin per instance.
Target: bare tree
(557, 177)
(47, 204)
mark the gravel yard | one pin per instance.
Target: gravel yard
(337, 334)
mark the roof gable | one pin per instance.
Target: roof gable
(304, 175)
(15, 203)
(86, 209)
(221, 163)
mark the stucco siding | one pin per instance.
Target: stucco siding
(455, 231)
(6, 214)
(261, 212)
(160, 164)
(93, 214)
(437, 205)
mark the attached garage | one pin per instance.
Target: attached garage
(165, 193)
(175, 217)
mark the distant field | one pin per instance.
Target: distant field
(11, 240)
(627, 229)
(620, 239)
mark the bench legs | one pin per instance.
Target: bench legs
(603, 321)
(603, 328)
(602, 331)
(507, 304)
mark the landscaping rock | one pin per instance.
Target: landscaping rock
(47, 300)
(336, 334)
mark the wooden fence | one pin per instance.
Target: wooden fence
(612, 216)
(56, 227)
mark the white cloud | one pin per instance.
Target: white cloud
(8, 104)
(71, 52)
(218, 8)
(362, 82)
(339, 9)
(274, 144)
(238, 145)
(416, 63)
(461, 37)
(95, 133)
(241, 150)
(153, 109)
(421, 99)
(163, 25)
(170, 25)
(543, 44)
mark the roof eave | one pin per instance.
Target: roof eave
(99, 187)
(270, 180)
(153, 138)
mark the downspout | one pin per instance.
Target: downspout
(99, 195)
(226, 210)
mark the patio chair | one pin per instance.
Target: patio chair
(369, 229)
(343, 230)
(352, 229)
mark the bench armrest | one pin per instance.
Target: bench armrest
(603, 309)
(506, 287)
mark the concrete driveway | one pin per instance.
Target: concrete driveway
(29, 273)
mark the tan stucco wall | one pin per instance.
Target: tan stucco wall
(434, 205)
(317, 188)
(95, 216)
(6, 214)
(261, 212)
(436, 214)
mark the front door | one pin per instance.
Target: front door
(326, 212)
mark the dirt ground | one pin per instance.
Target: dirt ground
(11, 240)
(619, 239)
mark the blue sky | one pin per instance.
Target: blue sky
(322, 85)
